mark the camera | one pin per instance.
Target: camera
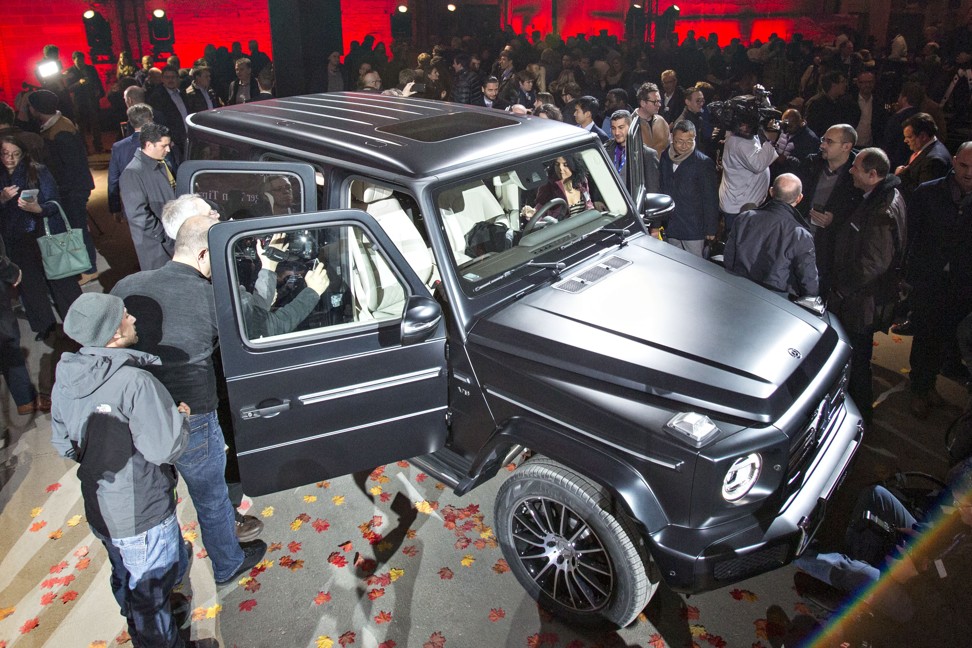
(752, 111)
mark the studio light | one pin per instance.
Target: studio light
(98, 32)
(402, 8)
(161, 35)
(451, 7)
(48, 69)
(666, 22)
(159, 13)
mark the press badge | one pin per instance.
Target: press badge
(940, 568)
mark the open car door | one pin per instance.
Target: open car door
(323, 377)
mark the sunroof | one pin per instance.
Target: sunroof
(444, 127)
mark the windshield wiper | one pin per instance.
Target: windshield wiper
(623, 233)
(556, 266)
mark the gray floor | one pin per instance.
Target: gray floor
(435, 578)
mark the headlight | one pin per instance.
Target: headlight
(741, 477)
(693, 427)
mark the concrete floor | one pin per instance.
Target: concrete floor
(427, 583)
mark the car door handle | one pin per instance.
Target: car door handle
(269, 409)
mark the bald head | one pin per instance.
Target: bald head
(134, 95)
(787, 188)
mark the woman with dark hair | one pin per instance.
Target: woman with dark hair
(567, 180)
(21, 223)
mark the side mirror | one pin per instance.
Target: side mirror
(422, 315)
(657, 208)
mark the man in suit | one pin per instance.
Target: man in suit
(831, 105)
(617, 151)
(874, 117)
(654, 128)
(122, 153)
(800, 140)
(689, 177)
(584, 112)
(491, 98)
(199, 94)
(245, 88)
(146, 185)
(672, 97)
(929, 159)
(86, 88)
(169, 105)
(912, 94)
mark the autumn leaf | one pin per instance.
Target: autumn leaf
(467, 560)
(381, 580)
(383, 617)
(689, 613)
(376, 593)
(421, 477)
(321, 525)
(462, 542)
(199, 614)
(375, 490)
(322, 598)
(211, 612)
(323, 484)
(496, 614)
(338, 500)
(29, 625)
(48, 598)
(83, 564)
(296, 524)
(394, 573)
(310, 499)
(263, 565)
(323, 641)
(347, 638)
(69, 596)
(401, 463)
(294, 546)
(479, 544)
(275, 546)
(697, 630)
(123, 637)
(802, 608)
(247, 605)
(98, 644)
(386, 497)
(410, 534)
(345, 546)
(436, 640)
(5, 612)
(656, 641)
(743, 595)
(59, 567)
(66, 580)
(81, 551)
(716, 641)
(445, 573)
(387, 644)
(286, 561)
(190, 536)
(295, 565)
(411, 551)
(376, 473)
(37, 526)
(337, 559)
(762, 628)
(384, 546)
(501, 566)
(75, 520)
(252, 586)
(439, 486)
(267, 512)
(425, 507)
(53, 487)
(55, 535)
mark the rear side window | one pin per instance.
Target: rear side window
(243, 194)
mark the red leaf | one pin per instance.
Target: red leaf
(34, 528)
(252, 586)
(436, 640)
(479, 543)
(387, 644)
(68, 596)
(29, 625)
(411, 551)
(321, 525)
(376, 593)
(303, 517)
(48, 598)
(345, 546)
(462, 542)
(383, 617)
(56, 569)
(294, 546)
(337, 559)
(347, 638)
(496, 614)
(322, 598)
(690, 613)
(402, 464)
(384, 497)
(247, 605)
(53, 487)
(421, 477)
(275, 546)
(656, 641)
(445, 573)
(48, 583)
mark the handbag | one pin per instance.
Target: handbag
(64, 254)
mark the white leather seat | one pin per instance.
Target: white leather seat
(461, 209)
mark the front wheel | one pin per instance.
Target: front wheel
(576, 557)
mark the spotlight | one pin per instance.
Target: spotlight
(161, 35)
(48, 69)
(159, 13)
(666, 22)
(402, 8)
(98, 32)
(451, 7)
(401, 23)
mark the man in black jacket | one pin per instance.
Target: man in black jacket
(772, 245)
(617, 151)
(689, 177)
(868, 255)
(929, 159)
(171, 109)
(86, 88)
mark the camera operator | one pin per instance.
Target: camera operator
(746, 158)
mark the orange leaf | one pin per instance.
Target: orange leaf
(48, 598)
(275, 546)
(5, 612)
(294, 546)
(69, 596)
(322, 598)
(402, 464)
(501, 566)
(252, 586)
(53, 487)
(383, 617)
(55, 535)
(496, 614)
(59, 567)
(37, 526)
(347, 638)
(247, 605)
(743, 595)
(376, 593)
(656, 641)
(100, 643)
(83, 564)
(123, 637)
(29, 625)
(295, 565)
(345, 546)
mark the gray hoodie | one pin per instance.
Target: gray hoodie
(118, 421)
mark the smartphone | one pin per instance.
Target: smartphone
(418, 87)
(29, 195)
(820, 208)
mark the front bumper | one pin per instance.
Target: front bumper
(698, 560)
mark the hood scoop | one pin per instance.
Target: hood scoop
(592, 275)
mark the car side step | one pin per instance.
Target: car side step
(445, 465)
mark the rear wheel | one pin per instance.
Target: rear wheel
(569, 550)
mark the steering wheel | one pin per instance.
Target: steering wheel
(543, 211)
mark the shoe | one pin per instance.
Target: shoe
(87, 278)
(248, 527)
(25, 410)
(253, 552)
(919, 406)
(907, 327)
(824, 595)
(43, 403)
(46, 333)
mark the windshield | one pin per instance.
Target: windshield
(531, 211)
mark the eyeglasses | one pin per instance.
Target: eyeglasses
(827, 140)
(657, 102)
(13, 155)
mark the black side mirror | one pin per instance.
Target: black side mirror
(422, 315)
(656, 209)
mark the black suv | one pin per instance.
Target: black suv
(494, 294)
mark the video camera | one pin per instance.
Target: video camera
(752, 111)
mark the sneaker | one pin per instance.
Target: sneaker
(253, 552)
(248, 527)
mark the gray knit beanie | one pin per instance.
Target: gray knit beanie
(93, 319)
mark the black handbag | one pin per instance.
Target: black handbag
(64, 254)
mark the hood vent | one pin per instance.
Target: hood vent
(592, 275)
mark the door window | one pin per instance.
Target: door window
(238, 195)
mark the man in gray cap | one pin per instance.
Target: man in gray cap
(115, 419)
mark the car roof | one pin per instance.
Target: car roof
(407, 136)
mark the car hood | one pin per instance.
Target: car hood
(653, 318)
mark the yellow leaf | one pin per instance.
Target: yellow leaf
(5, 612)
(697, 630)
(264, 564)
(211, 612)
(190, 536)
(34, 512)
(267, 512)
(384, 479)
(486, 533)
(310, 498)
(243, 581)
(324, 641)
(410, 534)
(394, 573)
(296, 524)
(384, 545)
(424, 507)
(98, 644)
(467, 560)
(375, 490)
(75, 520)
(338, 500)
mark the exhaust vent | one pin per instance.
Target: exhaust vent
(592, 275)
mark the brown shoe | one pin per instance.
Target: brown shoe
(88, 278)
(25, 410)
(43, 403)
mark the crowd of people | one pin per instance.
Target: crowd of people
(848, 193)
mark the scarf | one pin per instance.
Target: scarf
(675, 158)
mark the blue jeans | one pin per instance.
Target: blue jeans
(144, 570)
(202, 466)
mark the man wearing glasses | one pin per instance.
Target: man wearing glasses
(654, 130)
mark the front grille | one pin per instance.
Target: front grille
(805, 444)
(751, 564)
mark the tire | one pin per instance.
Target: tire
(570, 552)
